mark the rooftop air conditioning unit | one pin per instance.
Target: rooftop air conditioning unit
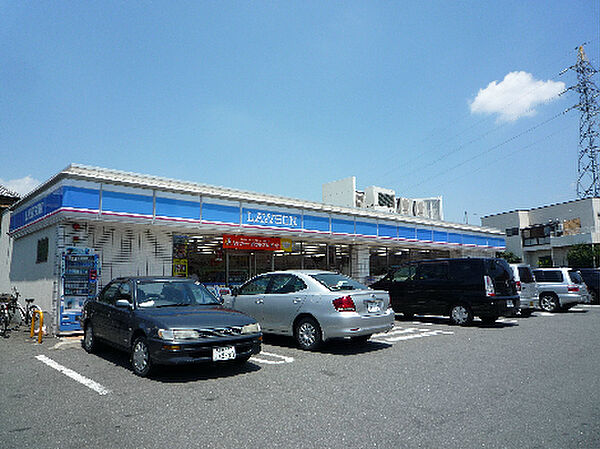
(419, 209)
(360, 199)
(405, 206)
(380, 199)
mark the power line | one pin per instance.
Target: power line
(504, 156)
(511, 139)
(405, 169)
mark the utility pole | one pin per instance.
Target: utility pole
(588, 174)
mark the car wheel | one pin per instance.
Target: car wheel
(140, 357)
(360, 338)
(489, 319)
(461, 315)
(89, 340)
(549, 303)
(308, 334)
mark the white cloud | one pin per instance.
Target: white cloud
(21, 186)
(516, 96)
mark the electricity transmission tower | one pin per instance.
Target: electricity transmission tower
(588, 174)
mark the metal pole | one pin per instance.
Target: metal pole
(226, 267)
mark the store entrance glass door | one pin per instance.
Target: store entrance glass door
(238, 267)
(243, 265)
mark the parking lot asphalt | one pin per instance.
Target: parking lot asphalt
(523, 382)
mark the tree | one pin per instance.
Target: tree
(508, 256)
(583, 255)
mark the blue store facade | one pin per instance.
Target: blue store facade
(145, 225)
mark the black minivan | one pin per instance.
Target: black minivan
(458, 288)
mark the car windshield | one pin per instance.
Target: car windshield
(336, 282)
(173, 293)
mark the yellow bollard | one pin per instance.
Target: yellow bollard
(33, 325)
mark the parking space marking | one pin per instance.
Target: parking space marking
(73, 375)
(578, 308)
(408, 333)
(278, 359)
(507, 321)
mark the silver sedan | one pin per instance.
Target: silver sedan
(313, 306)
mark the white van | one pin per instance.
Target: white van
(527, 288)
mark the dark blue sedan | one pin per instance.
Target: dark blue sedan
(167, 321)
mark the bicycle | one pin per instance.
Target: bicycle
(4, 319)
(25, 314)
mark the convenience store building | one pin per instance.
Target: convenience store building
(88, 225)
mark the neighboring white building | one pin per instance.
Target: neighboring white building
(7, 198)
(547, 233)
(343, 193)
(5, 253)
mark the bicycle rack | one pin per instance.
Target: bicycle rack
(40, 331)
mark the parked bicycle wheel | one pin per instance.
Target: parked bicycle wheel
(17, 316)
(4, 320)
(29, 311)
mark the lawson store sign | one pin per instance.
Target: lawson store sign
(260, 218)
(155, 206)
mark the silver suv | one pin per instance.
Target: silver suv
(560, 288)
(526, 287)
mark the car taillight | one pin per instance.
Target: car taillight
(573, 288)
(489, 286)
(344, 304)
(518, 286)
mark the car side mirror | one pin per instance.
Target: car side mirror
(123, 303)
(235, 291)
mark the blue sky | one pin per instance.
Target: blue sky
(281, 97)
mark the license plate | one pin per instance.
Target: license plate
(509, 303)
(225, 353)
(374, 307)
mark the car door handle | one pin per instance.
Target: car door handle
(297, 300)
(259, 301)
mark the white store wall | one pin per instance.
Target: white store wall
(32, 279)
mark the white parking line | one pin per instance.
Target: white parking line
(578, 308)
(419, 335)
(73, 375)
(409, 333)
(400, 330)
(506, 321)
(279, 359)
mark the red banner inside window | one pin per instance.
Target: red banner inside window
(251, 243)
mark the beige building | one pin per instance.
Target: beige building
(546, 234)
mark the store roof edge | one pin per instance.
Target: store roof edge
(152, 181)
